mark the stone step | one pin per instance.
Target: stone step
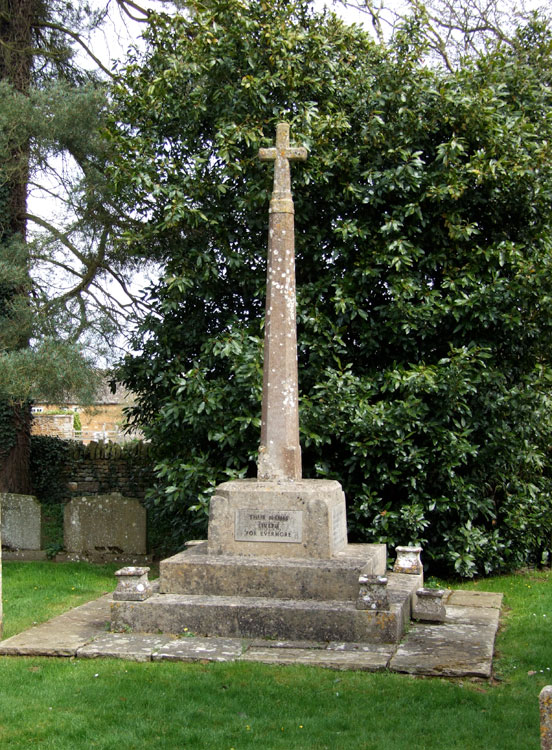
(194, 571)
(263, 617)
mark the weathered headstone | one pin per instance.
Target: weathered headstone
(105, 527)
(21, 521)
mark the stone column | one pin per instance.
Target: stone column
(280, 450)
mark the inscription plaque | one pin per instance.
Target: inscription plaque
(268, 526)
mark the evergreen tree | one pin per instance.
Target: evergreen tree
(49, 107)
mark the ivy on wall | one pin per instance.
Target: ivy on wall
(55, 461)
(8, 432)
(48, 459)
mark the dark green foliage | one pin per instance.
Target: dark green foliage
(15, 434)
(8, 432)
(423, 238)
(52, 528)
(48, 461)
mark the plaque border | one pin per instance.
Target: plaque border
(268, 540)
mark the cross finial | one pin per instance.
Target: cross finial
(282, 155)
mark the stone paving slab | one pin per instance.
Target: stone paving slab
(63, 635)
(132, 647)
(472, 615)
(447, 650)
(264, 643)
(318, 645)
(475, 599)
(201, 649)
(375, 659)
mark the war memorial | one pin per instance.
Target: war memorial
(277, 563)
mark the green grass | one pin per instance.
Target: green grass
(117, 705)
(35, 592)
(52, 527)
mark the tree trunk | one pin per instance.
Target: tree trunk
(14, 462)
(16, 57)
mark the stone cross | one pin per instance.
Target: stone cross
(280, 450)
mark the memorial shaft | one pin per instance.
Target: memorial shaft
(280, 449)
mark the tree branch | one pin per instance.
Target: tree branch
(144, 11)
(79, 40)
(61, 236)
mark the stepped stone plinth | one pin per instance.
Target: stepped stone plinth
(196, 571)
(277, 564)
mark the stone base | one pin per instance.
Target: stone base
(305, 518)
(261, 617)
(197, 572)
(461, 646)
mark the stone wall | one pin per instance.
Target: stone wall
(56, 425)
(99, 468)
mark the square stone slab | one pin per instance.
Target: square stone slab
(305, 518)
(129, 646)
(258, 617)
(447, 650)
(196, 572)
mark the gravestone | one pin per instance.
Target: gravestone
(21, 521)
(105, 527)
(277, 562)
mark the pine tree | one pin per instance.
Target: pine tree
(49, 104)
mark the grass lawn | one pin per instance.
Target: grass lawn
(117, 705)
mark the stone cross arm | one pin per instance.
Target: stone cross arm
(292, 153)
(282, 155)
